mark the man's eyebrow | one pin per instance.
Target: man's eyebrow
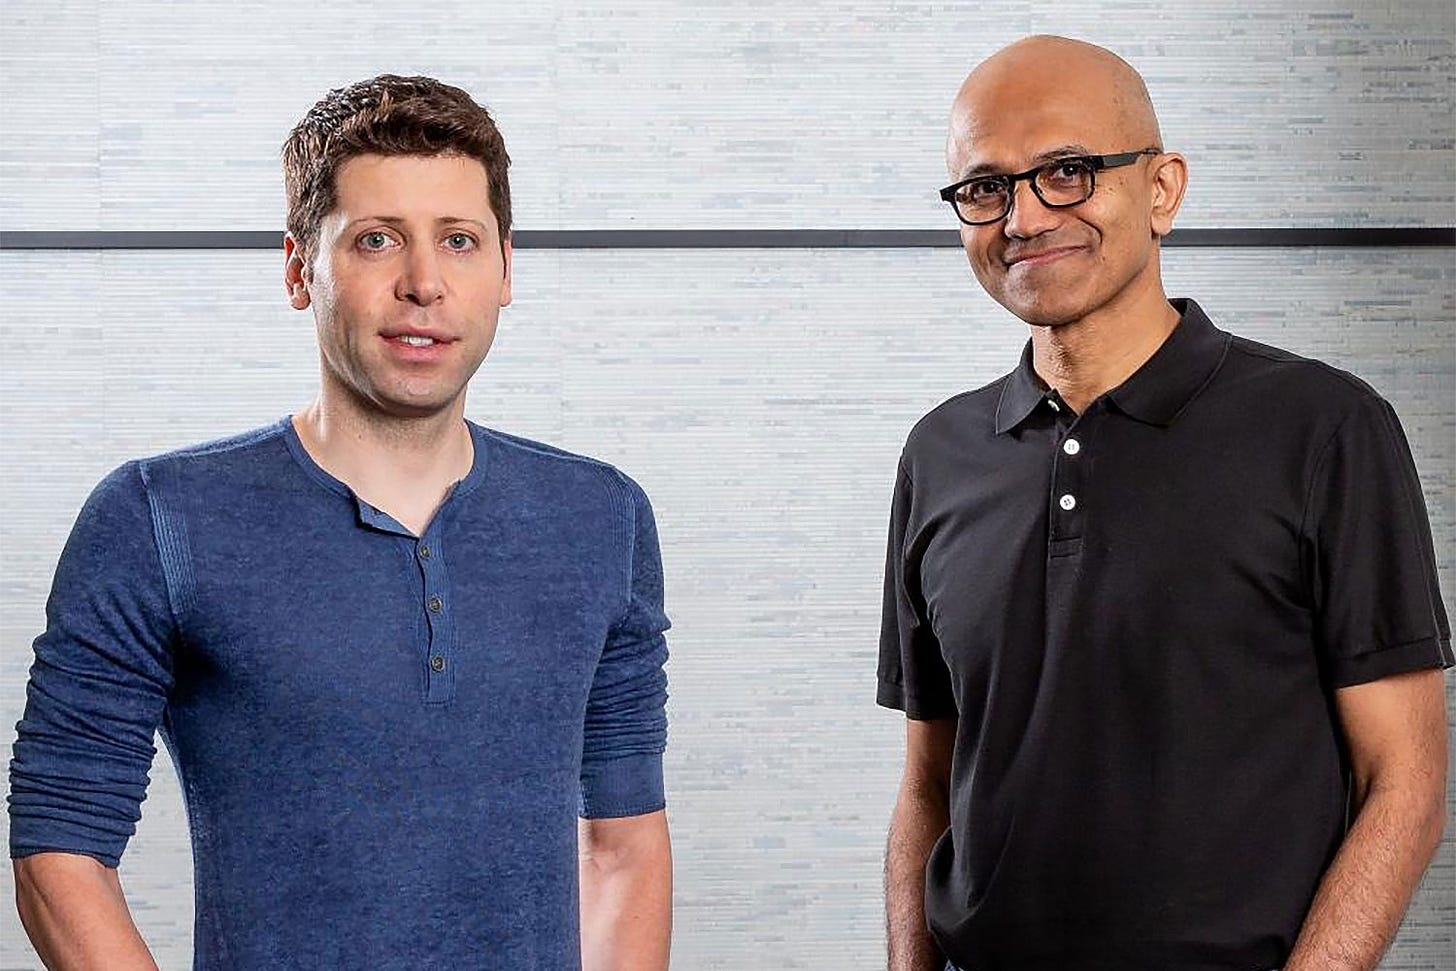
(1061, 151)
(401, 220)
(461, 219)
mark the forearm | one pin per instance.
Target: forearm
(919, 819)
(1364, 894)
(74, 912)
(626, 899)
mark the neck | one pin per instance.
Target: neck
(404, 466)
(1086, 358)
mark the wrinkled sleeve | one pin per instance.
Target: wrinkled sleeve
(98, 685)
(1372, 563)
(626, 717)
(913, 677)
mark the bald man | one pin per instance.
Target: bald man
(1160, 604)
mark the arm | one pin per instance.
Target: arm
(73, 910)
(1396, 731)
(625, 863)
(922, 814)
(97, 692)
(626, 893)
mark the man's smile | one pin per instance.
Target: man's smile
(1040, 257)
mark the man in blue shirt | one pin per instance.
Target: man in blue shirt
(394, 654)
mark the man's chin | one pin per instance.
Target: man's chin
(415, 410)
(411, 405)
(1042, 312)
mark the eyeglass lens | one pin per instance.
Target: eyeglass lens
(1064, 182)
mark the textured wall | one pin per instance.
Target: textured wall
(761, 397)
(669, 113)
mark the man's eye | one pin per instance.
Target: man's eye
(374, 241)
(1068, 171)
(983, 190)
(460, 241)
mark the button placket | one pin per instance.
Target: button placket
(1068, 482)
(439, 620)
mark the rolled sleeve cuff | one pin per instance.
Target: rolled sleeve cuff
(31, 835)
(892, 695)
(629, 785)
(1428, 652)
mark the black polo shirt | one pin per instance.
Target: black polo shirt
(1139, 615)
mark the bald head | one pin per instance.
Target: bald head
(1086, 92)
(1024, 119)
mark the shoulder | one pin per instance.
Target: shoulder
(1295, 408)
(141, 508)
(131, 484)
(550, 469)
(970, 414)
(1285, 379)
(217, 458)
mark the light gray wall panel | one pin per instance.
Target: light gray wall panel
(670, 114)
(50, 124)
(761, 398)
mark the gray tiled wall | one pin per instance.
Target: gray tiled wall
(750, 113)
(760, 396)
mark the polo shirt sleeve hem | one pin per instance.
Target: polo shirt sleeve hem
(1427, 652)
(892, 695)
(629, 785)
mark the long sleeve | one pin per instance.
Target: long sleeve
(626, 719)
(98, 686)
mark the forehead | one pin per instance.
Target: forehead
(408, 184)
(1008, 123)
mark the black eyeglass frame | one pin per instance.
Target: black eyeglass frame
(1095, 164)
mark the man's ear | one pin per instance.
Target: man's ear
(1170, 182)
(295, 273)
(505, 297)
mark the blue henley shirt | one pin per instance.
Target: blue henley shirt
(383, 740)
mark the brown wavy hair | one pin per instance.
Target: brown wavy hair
(386, 115)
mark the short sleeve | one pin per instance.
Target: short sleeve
(913, 677)
(98, 685)
(626, 717)
(1372, 564)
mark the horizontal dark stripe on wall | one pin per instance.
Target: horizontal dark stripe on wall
(728, 239)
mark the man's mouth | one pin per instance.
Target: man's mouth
(1041, 257)
(416, 338)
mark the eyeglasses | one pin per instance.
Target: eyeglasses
(1060, 183)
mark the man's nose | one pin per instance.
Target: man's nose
(1029, 216)
(420, 280)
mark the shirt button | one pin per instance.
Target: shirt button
(1071, 446)
(424, 552)
(437, 664)
(1068, 502)
(435, 603)
(1052, 404)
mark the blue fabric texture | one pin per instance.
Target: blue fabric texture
(384, 741)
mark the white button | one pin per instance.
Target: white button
(1071, 446)
(1051, 403)
(1068, 502)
